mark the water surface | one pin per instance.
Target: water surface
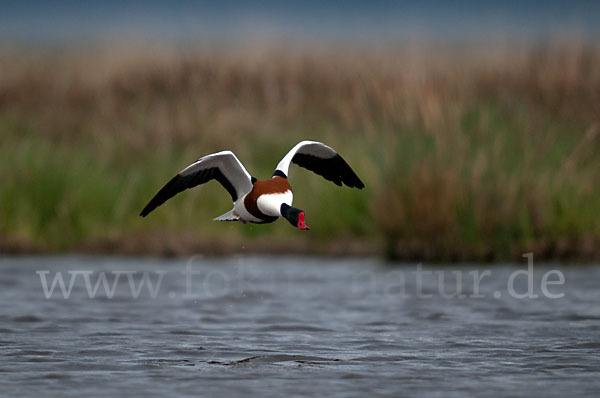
(293, 326)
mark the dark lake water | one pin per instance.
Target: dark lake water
(254, 326)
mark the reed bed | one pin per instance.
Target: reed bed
(468, 152)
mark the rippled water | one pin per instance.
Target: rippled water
(288, 326)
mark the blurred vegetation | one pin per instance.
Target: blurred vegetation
(468, 153)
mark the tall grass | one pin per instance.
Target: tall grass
(467, 153)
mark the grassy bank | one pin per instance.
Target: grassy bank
(467, 154)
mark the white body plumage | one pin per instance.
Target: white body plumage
(270, 204)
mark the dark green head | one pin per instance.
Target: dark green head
(294, 216)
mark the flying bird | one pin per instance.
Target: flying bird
(259, 201)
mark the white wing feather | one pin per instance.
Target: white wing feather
(229, 165)
(322, 160)
(314, 148)
(223, 166)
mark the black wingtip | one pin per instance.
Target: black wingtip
(145, 211)
(334, 169)
(351, 179)
(359, 186)
(358, 183)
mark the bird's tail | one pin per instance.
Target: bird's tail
(229, 216)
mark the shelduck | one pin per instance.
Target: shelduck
(260, 201)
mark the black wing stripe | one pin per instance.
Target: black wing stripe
(180, 183)
(334, 169)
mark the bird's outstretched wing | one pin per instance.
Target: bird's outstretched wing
(322, 160)
(221, 166)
